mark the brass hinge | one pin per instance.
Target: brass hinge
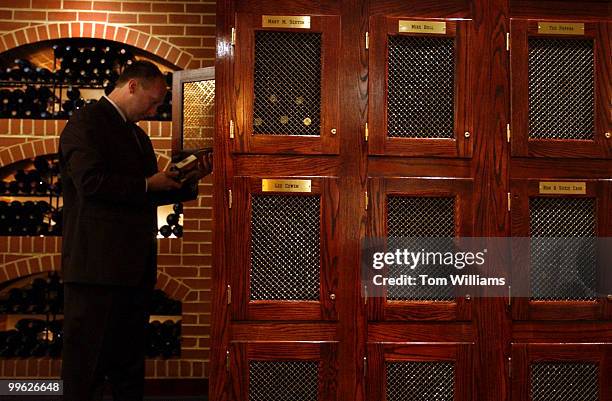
(367, 40)
(365, 294)
(508, 133)
(509, 296)
(229, 200)
(510, 368)
(231, 129)
(365, 366)
(227, 360)
(233, 37)
(508, 41)
(509, 202)
(367, 132)
(367, 200)
(229, 294)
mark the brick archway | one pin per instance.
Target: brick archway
(116, 33)
(28, 265)
(42, 147)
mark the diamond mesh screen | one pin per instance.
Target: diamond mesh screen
(564, 381)
(287, 83)
(561, 88)
(561, 268)
(285, 247)
(198, 114)
(283, 380)
(421, 87)
(430, 222)
(420, 381)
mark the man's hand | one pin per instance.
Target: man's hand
(163, 181)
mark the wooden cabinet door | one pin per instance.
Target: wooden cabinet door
(435, 210)
(419, 88)
(284, 257)
(193, 108)
(283, 371)
(397, 372)
(561, 372)
(561, 88)
(564, 268)
(286, 78)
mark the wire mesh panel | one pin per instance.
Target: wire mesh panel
(198, 114)
(421, 222)
(562, 268)
(564, 381)
(561, 88)
(285, 247)
(287, 83)
(421, 84)
(283, 380)
(420, 381)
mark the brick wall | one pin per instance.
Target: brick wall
(182, 33)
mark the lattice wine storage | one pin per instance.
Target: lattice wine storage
(562, 269)
(560, 89)
(418, 87)
(421, 213)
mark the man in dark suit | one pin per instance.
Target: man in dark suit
(111, 192)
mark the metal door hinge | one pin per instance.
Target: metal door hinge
(229, 200)
(227, 360)
(231, 129)
(367, 200)
(365, 294)
(365, 366)
(508, 41)
(509, 296)
(229, 294)
(367, 132)
(367, 40)
(509, 202)
(508, 133)
(510, 368)
(233, 37)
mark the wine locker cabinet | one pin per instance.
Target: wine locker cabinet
(419, 97)
(350, 127)
(398, 372)
(432, 212)
(286, 72)
(561, 372)
(284, 263)
(284, 371)
(564, 269)
(561, 88)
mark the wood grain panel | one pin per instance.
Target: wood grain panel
(420, 332)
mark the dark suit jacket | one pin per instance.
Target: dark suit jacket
(110, 221)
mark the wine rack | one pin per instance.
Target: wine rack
(31, 319)
(76, 74)
(30, 198)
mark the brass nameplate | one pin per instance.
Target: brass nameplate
(561, 28)
(285, 21)
(268, 185)
(438, 27)
(563, 187)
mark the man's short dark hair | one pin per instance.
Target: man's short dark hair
(144, 70)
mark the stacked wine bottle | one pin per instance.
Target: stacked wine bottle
(39, 212)
(39, 337)
(37, 92)
(173, 221)
(163, 339)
